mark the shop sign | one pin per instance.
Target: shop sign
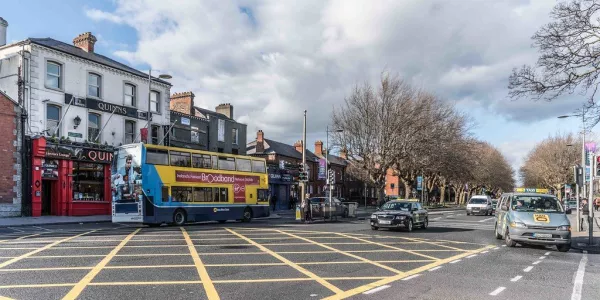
(110, 108)
(287, 177)
(273, 176)
(322, 165)
(76, 153)
(49, 169)
(97, 156)
(185, 121)
(75, 134)
(57, 151)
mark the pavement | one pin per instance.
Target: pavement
(580, 239)
(457, 257)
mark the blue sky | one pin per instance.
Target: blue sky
(272, 59)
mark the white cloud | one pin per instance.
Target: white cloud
(296, 55)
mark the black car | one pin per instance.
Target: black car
(399, 214)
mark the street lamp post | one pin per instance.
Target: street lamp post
(161, 76)
(328, 183)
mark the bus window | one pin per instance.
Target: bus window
(224, 195)
(180, 159)
(165, 194)
(201, 161)
(157, 157)
(243, 165)
(215, 162)
(181, 194)
(226, 163)
(203, 194)
(258, 166)
(263, 195)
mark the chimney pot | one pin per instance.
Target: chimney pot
(85, 41)
(319, 148)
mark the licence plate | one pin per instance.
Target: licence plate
(385, 222)
(542, 235)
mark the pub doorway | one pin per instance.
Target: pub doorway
(46, 197)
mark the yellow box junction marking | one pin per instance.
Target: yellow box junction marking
(18, 258)
(302, 270)
(387, 280)
(78, 288)
(389, 247)
(209, 287)
(345, 253)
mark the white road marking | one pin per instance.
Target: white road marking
(536, 262)
(377, 289)
(578, 284)
(542, 257)
(547, 253)
(411, 277)
(42, 228)
(497, 291)
(455, 261)
(528, 269)
(314, 295)
(434, 219)
(503, 245)
(472, 255)
(516, 278)
(484, 252)
(485, 220)
(436, 268)
(17, 230)
(496, 248)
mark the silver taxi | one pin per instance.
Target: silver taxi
(531, 218)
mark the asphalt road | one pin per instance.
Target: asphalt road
(457, 257)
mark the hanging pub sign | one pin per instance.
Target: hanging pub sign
(49, 169)
(108, 107)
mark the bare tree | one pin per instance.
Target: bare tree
(549, 163)
(569, 59)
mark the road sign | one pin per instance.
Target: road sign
(419, 183)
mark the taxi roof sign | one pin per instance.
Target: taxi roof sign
(532, 190)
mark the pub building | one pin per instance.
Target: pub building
(69, 179)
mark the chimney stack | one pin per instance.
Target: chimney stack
(319, 148)
(226, 109)
(183, 103)
(298, 146)
(260, 142)
(85, 41)
(3, 26)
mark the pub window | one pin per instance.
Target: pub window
(203, 194)
(195, 137)
(226, 163)
(154, 102)
(234, 136)
(154, 131)
(94, 85)
(258, 166)
(88, 182)
(129, 131)
(201, 161)
(54, 75)
(157, 157)
(52, 119)
(243, 165)
(94, 127)
(129, 94)
(180, 159)
(181, 194)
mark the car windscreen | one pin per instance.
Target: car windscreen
(478, 201)
(396, 206)
(536, 204)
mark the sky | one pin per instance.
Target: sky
(273, 59)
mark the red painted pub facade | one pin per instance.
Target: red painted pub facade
(69, 180)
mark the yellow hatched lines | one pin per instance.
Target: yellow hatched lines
(390, 247)
(209, 288)
(290, 263)
(78, 288)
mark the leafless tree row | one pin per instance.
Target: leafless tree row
(412, 132)
(549, 164)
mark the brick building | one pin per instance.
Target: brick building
(10, 159)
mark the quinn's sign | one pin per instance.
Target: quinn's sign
(107, 107)
(77, 153)
(239, 181)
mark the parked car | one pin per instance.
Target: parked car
(321, 207)
(494, 205)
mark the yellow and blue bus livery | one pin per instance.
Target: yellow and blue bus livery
(158, 184)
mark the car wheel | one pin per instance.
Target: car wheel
(563, 248)
(409, 225)
(179, 217)
(247, 216)
(374, 227)
(509, 242)
(498, 235)
(425, 224)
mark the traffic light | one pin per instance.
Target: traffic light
(302, 174)
(331, 176)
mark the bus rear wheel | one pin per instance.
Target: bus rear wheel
(179, 217)
(247, 216)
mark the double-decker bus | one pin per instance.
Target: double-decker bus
(154, 184)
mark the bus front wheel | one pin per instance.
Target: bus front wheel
(247, 216)
(179, 217)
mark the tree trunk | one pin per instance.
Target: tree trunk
(442, 192)
(381, 196)
(407, 188)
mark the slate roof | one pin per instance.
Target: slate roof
(207, 112)
(95, 57)
(272, 146)
(336, 160)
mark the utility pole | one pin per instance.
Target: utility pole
(303, 183)
(591, 200)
